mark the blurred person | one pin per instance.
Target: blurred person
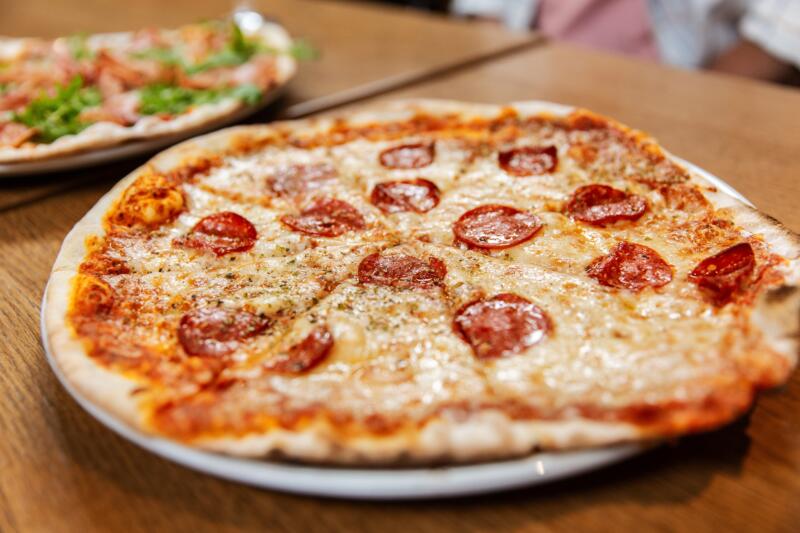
(754, 38)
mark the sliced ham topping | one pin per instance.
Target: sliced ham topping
(326, 217)
(13, 134)
(221, 233)
(36, 76)
(417, 195)
(109, 84)
(132, 73)
(121, 109)
(17, 98)
(207, 79)
(600, 205)
(294, 180)
(401, 271)
(64, 62)
(259, 71)
(304, 355)
(147, 38)
(503, 325)
(528, 160)
(630, 266)
(201, 41)
(722, 275)
(493, 227)
(216, 331)
(416, 155)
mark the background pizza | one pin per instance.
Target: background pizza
(88, 91)
(424, 281)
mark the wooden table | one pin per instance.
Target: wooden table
(62, 471)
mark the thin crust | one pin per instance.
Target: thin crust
(202, 118)
(484, 435)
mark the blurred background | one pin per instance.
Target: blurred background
(752, 38)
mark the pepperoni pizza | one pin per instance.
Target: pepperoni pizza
(425, 281)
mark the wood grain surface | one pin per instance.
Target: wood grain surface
(62, 471)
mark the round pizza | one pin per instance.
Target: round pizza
(84, 92)
(423, 281)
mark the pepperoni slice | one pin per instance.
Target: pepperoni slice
(221, 233)
(216, 331)
(401, 271)
(725, 273)
(503, 325)
(326, 217)
(492, 227)
(297, 179)
(528, 160)
(304, 355)
(416, 155)
(630, 266)
(405, 195)
(601, 205)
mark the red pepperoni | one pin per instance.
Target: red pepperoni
(222, 233)
(503, 325)
(296, 179)
(326, 217)
(630, 266)
(216, 331)
(722, 275)
(415, 155)
(493, 227)
(601, 205)
(406, 195)
(304, 355)
(402, 271)
(528, 160)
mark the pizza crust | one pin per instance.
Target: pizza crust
(201, 118)
(480, 436)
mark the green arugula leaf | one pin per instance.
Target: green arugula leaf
(78, 47)
(168, 56)
(238, 50)
(303, 50)
(59, 115)
(249, 94)
(223, 58)
(239, 44)
(162, 99)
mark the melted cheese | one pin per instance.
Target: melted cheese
(152, 200)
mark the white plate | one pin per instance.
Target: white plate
(374, 483)
(131, 148)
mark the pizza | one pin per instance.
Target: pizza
(88, 91)
(422, 281)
